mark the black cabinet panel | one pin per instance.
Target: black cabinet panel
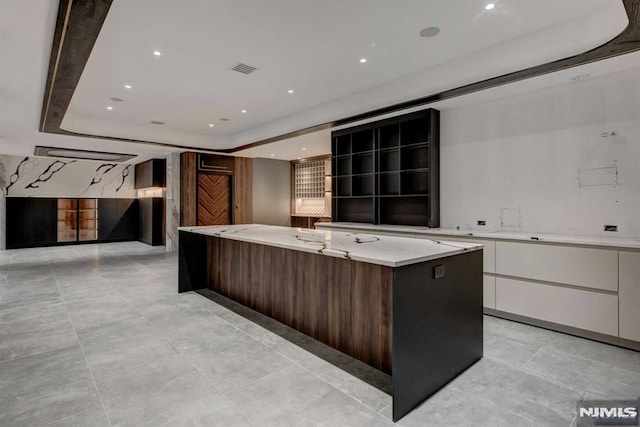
(19, 223)
(151, 220)
(107, 218)
(30, 222)
(45, 221)
(127, 219)
(117, 219)
(151, 173)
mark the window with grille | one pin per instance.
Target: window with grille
(312, 187)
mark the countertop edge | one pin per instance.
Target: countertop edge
(493, 235)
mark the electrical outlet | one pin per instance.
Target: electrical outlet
(610, 228)
(438, 271)
(480, 222)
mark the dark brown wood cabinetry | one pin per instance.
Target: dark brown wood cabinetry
(151, 173)
(215, 189)
(387, 172)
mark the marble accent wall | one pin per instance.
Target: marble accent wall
(49, 177)
(172, 213)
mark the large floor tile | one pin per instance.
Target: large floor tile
(465, 410)
(151, 386)
(238, 362)
(283, 392)
(35, 335)
(508, 351)
(94, 417)
(349, 384)
(100, 311)
(588, 349)
(52, 311)
(333, 409)
(38, 389)
(122, 344)
(584, 375)
(206, 410)
(539, 400)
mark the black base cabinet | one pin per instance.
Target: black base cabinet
(33, 222)
(152, 220)
(118, 220)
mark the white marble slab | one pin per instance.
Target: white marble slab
(501, 235)
(390, 251)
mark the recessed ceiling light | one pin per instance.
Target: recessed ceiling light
(363, 60)
(290, 91)
(128, 86)
(304, 148)
(211, 125)
(244, 111)
(299, 158)
(273, 155)
(429, 32)
(490, 6)
(157, 53)
(109, 107)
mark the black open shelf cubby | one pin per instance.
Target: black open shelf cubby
(387, 172)
(389, 184)
(389, 160)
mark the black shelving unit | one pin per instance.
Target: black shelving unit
(387, 172)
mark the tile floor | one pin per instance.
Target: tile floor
(96, 335)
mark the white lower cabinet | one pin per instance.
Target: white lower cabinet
(578, 308)
(629, 295)
(489, 291)
(585, 267)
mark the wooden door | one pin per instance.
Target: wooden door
(214, 199)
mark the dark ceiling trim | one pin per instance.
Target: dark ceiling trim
(79, 23)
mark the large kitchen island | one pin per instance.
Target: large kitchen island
(410, 308)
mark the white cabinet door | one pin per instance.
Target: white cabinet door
(582, 309)
(590, 268)
(489, 291)
(629, 295)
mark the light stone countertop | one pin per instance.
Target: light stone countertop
(385, 250)
(416, 231)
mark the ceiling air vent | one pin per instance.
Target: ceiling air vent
(580, 77)
(243, 68)
(72, 153)
(155, 122)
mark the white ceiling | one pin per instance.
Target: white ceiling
(609, 73)
(309, 46)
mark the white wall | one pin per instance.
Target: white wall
(271, 192)
(48, 177)
(515, 162)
